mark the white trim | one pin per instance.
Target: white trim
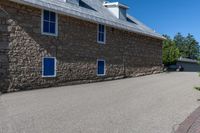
(55, 67)
(42, 24)
(98, 68)
(115, 4)
(100, 42)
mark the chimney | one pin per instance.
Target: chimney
(117, 9)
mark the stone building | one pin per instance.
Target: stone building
(45, 43)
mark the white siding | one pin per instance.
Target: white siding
(114, 11)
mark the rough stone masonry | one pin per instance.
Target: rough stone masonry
(22, 47)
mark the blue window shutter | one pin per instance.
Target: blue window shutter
(101, 67)
(49, 67)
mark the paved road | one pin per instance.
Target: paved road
(150, 104)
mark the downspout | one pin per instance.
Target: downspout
(124, 64)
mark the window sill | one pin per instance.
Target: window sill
(49, 34)
(101, 42)
(53, 76)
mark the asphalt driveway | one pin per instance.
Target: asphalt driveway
(150, 104)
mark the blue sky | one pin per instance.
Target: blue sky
(167, 16)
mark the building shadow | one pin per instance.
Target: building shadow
(4, 49)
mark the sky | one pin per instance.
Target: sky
(167, 16)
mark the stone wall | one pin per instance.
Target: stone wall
(76, 50)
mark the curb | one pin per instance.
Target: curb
(186, 125)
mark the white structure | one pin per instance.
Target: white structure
(117, 9)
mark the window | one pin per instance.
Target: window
(101, 37)
(49, 23)
(101, 67)
(49, 67)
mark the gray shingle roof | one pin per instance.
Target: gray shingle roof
(94, 11)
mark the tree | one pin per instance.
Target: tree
(181, 44)
(170, 51)
(187, 46)
(192, 47)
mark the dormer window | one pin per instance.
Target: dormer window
(117, 9)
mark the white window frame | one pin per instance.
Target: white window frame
(100, 75)
(55, 68)
(42, 24)
(101, 42)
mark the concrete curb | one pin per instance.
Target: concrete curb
(186, 125)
